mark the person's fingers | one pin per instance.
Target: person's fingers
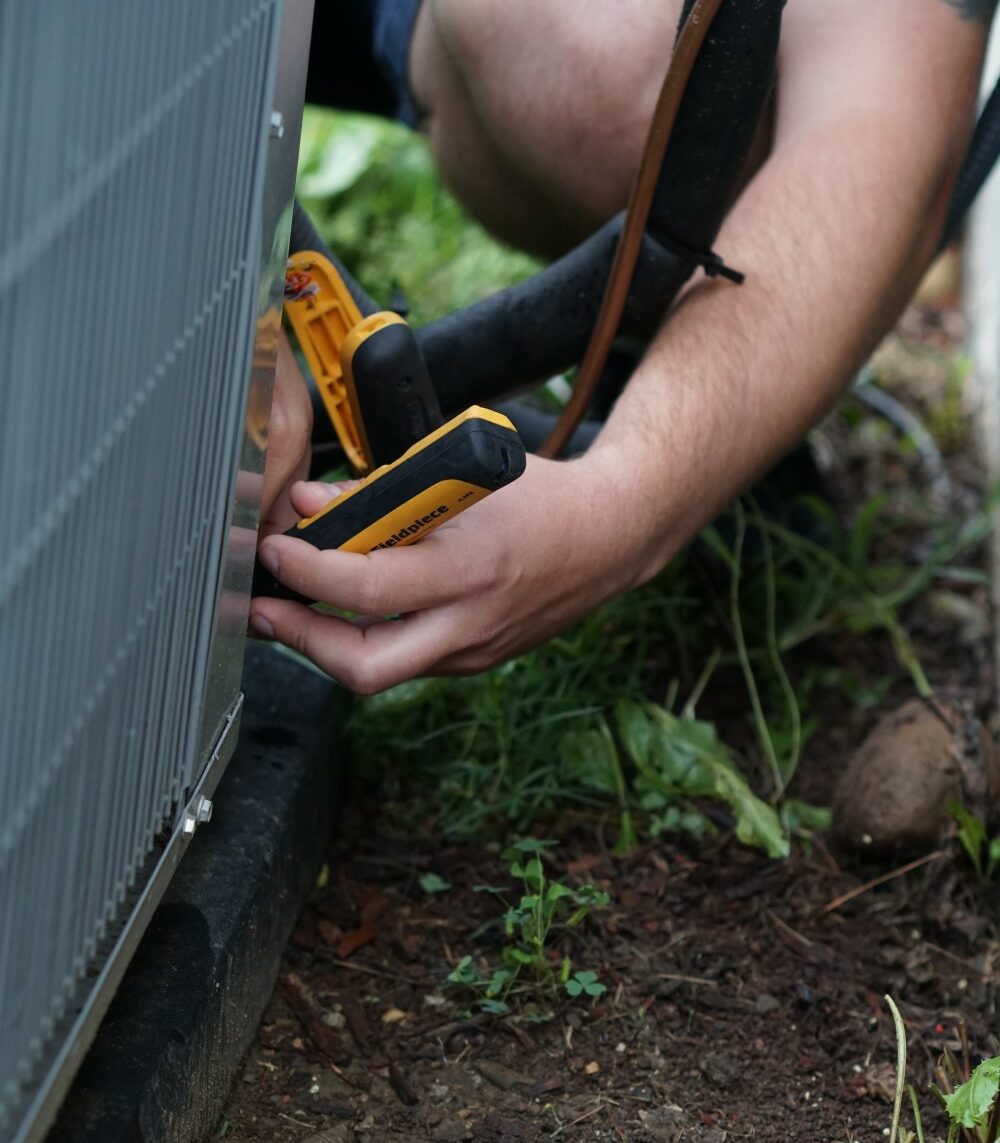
(282, 514)
(311, 496)
(365, 658)
(289, 429)
(391, 581)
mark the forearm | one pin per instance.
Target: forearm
(833, 234)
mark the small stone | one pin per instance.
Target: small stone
(393, 1016)
(438, 1090)
(666, 1124)
(329, 1085)
(766, 1003)
(592, 1068)
(893, 794)
(720, 1070)
(451, 1131)
(805, 995)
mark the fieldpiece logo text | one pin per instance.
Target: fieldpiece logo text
(411, 529)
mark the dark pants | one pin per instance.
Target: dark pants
(359, 58)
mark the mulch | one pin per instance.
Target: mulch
(739, 1004)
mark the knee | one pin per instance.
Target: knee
(565, 91)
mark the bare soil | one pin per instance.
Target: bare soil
(745, 995)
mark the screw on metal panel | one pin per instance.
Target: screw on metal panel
(189, 825)
(277, 125)
(203, 809)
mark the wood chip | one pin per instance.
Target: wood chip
(500, 1075)
(402, 1086)
(322, 1037)
(357, 1021)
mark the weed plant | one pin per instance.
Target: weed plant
(969, 1095)
(529, 966)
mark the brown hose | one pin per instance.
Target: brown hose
(685, 55)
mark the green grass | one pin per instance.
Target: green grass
(569, 725)
(545, 731)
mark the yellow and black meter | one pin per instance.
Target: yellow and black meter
(376, 389)
(439, 477)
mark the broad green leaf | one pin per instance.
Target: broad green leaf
(636, 731)
(591, 895)
(684, 755)
(804, 815)
(533, 874)
(971, 1102)
(530, 845)
(589, 760)
(499, 981)
(433, 883)
(585, 982)
(756, 822)
(465, 972)
(666, 750)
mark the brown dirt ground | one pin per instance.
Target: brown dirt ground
(740, 1004)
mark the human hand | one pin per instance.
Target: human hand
(488, 585)
(288, 437)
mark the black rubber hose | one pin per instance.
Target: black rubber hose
(717, 124)
(541, 327)
(534, 425)
(984, 150)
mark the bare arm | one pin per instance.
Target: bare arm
(876, 100)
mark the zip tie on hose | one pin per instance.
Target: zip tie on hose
(708, 260)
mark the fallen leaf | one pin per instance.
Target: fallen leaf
(393, 1016)
(356, 939)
